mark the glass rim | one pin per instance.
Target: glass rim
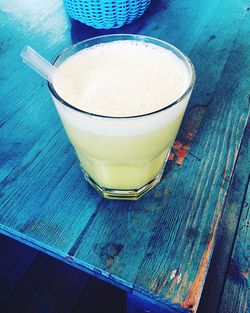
(133, 37)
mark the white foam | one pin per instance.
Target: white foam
(121, 79)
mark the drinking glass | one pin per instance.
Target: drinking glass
(123, 157)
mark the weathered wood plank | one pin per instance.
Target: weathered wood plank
(213, 289)
(33, 143)
(198, 209)
(27, 151)
(176, 269)
(48, 225)
(235, 296)
(45, 201)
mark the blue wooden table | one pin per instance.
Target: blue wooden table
(161, 247)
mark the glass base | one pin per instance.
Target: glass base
(133, 194)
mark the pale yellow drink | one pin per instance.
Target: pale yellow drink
(121, 145)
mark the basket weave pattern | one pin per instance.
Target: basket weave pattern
(106, 13)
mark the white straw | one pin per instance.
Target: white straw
(38, 63)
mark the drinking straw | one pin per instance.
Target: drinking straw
(38, 63)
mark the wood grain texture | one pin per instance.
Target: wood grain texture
(161, 245)
(235, 296)
(215, 281)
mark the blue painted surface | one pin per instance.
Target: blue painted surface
(234, 216)
(161, 245)
(235, 297)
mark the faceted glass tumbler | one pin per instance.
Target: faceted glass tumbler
(123, 157)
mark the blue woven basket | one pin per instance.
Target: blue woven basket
(106, 13)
